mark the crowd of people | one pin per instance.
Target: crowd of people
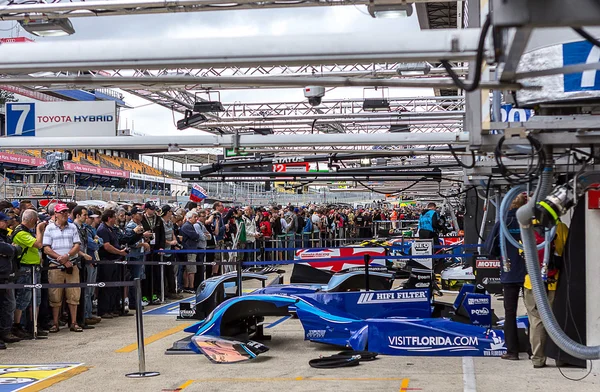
(71, 243)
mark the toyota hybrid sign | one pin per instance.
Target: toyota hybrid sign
(61, 119)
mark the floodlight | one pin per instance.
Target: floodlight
(413, 69)
(376, 104)
(390, 10)
(48, 28)
(189, 120)
(399, 128)
(208, 106)
(263, 131)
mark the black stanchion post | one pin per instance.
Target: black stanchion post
(367, 259)
(239, 277)
(34, 302)
(162, 278)
(142, 373)
(151, 299)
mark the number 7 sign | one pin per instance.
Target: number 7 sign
(20, 119)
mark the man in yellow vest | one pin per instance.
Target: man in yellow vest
(537, 333)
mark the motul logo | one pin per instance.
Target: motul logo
(488, 264)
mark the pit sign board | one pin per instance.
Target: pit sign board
(423, 248)
(61, 119)
(487, 274)
(291, 167)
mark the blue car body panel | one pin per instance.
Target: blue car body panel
(393, 322)
(433, 337)
(208, 287)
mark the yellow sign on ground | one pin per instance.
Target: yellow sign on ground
(28, 377)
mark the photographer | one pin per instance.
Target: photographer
(30, 241)
(154, 224)
(217, 228)
(7, 296)
(138, 240)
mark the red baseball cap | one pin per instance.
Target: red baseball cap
(60, 208)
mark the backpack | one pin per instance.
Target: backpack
(20, 251)
(308, 227)
(300, 225)
(8, 262)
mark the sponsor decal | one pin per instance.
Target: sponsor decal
(19, 377)
(433, 343)
(278, 160)
(422, 284)
(488, 281)
(480, 312)
(478, 301)
(389, 297)
(99, 284)
(496, 346)
(315, 333)
(186, 313)
(487, 264)
(32, 286)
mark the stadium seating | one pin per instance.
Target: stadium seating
(102, 161)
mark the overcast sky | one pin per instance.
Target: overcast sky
(153, 119)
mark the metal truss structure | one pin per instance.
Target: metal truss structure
(26, 9)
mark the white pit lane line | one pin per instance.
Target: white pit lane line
(469, 384)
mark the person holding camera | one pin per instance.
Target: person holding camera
(217, 227)
(138, 240)
(29, 236)
(61, 244)
(108, 297)
(153, 223)
(7, 296)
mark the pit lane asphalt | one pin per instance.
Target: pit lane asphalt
(284, 367)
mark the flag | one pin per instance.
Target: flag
(198, 193)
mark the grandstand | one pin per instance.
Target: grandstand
(100, 160)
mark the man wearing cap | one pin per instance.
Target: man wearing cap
(30, 240)
(94, 244)
(61, 244)
(138, 241)
(154, 224)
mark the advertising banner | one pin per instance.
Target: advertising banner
(21, 159)
(487, 274)
(99, 171)
(433, 337)
(61, 119)
(339, 253)
(423, 248)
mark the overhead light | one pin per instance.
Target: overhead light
(263, 131)
(390, 10)
(399, 128)
(413, 69)
(48, 28)
(190, 120)
(208, 106)
(376, 104)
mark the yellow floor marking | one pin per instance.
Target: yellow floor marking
(283, 379)
(185, 385)
(153, 338)
(404, 385)
(38, 386)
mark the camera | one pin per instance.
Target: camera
(314, 94)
